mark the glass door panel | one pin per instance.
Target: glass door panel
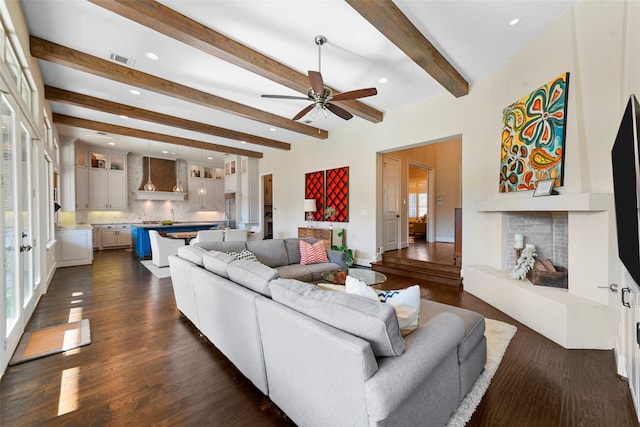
(26, 216)
(9, 221)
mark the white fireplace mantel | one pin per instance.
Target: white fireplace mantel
(576, 202)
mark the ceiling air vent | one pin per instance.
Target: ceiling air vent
(129, 62)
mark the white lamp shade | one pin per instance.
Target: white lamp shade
(310, 205)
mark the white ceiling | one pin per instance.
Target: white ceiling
(474, 35)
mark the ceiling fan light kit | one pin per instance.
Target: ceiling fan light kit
(321, 95)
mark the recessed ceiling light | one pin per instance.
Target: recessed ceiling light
(122, 116)
(112, 143)
(135, 92)
(209, 158)
(514, 21)
(152, 56)
(383, 80)
(272, 129)
(165, 152)
(243, 142)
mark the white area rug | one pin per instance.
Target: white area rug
(499, 336)
(159, 272)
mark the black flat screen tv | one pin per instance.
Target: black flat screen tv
(626, 188)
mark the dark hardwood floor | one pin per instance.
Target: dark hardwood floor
(147, 365)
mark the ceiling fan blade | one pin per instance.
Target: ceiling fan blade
(355, 94)
(303, 112)
(317, 84)
(306, 98)
(338, 111)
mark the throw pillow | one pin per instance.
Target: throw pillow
(312, 254)
(335, 276)
(245, 254)
(406, 302)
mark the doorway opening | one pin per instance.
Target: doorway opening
(429, 194)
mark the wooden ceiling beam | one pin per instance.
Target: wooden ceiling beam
(62, 55)
(85, 101)
(395, 26)
(143, 134)
(167, 21)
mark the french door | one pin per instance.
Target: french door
(19, 213)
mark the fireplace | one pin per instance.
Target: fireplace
(573, 231)
(547, 230)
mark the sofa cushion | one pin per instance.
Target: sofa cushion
(294, 271)
(192, 253)
(270, 252)
(369, 320)
(252, 275)
(217, 262)
(222, 246)
(292, 245)
(316, 270)
(312, 253)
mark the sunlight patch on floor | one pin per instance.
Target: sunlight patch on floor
(68, 401)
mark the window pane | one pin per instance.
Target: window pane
(412, 205)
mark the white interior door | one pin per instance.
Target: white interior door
(390, 203)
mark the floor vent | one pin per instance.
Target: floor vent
(129, 62)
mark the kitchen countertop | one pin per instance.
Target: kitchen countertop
(75, 227)
(178, 224)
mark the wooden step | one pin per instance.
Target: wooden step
(439, 273)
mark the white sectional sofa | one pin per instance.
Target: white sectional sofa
(328, 358)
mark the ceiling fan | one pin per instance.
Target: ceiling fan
(321, 96)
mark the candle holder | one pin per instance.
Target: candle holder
(518, 253)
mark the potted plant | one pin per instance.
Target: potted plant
(344, 249)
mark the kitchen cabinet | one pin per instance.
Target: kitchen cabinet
(82, 188)
(97, 238)
(67, 177)
(211, 180)
(117, 235)
(230, 175)
(81, 179)
(74, 246)
(108, 181)
(250, 209)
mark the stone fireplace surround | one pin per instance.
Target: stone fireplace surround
(573, 230)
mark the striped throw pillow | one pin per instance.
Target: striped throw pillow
(312, 254)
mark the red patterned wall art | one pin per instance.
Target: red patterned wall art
(314, 189)
(337, 194)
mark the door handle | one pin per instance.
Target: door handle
(613, 287)
(624, 302)
(26, 248)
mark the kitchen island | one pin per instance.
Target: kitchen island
(140, 233)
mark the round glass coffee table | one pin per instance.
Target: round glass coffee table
(367, 276)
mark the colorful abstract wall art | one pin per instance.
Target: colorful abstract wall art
(533, 135)
(330, 189)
